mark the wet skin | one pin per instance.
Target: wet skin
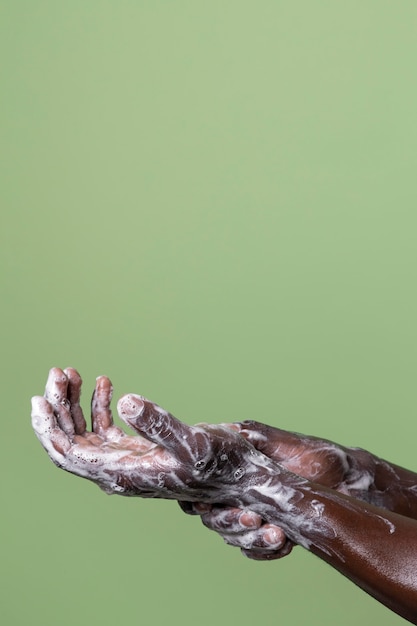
(262, 489)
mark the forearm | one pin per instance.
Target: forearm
(375, 548)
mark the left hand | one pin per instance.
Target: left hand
(244, 529)
(349, 471)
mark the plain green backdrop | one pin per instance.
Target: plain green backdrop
(213, 203)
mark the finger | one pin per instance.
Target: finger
(268, 538)
(187, 507)
(73, 394)
(268, 555)
(56, 394)
(101, 414)
(194, 508)
(231, 520)
(274, 442)
(160, 427)
(45, 425)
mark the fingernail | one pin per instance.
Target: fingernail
(249, 519)
(274, 538)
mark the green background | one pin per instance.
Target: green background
(213, 203)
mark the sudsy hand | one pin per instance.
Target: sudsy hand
(348, 470)
(166, 459)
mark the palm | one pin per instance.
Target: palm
(166, 459)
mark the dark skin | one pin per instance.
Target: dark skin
(261, 488)
(324, 462)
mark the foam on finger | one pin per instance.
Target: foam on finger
(74, 393)
(267, 540)
(45, 425)
(158, 426)
(56, 393)
(100, 404)
(230, 520)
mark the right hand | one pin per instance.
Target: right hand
(349, 471)
(165, 459)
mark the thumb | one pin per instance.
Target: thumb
(157, 425)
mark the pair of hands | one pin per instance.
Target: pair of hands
(207, 468)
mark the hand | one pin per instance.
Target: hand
(167, 460)
(350, 471)
(59, 424)
(244, 529)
